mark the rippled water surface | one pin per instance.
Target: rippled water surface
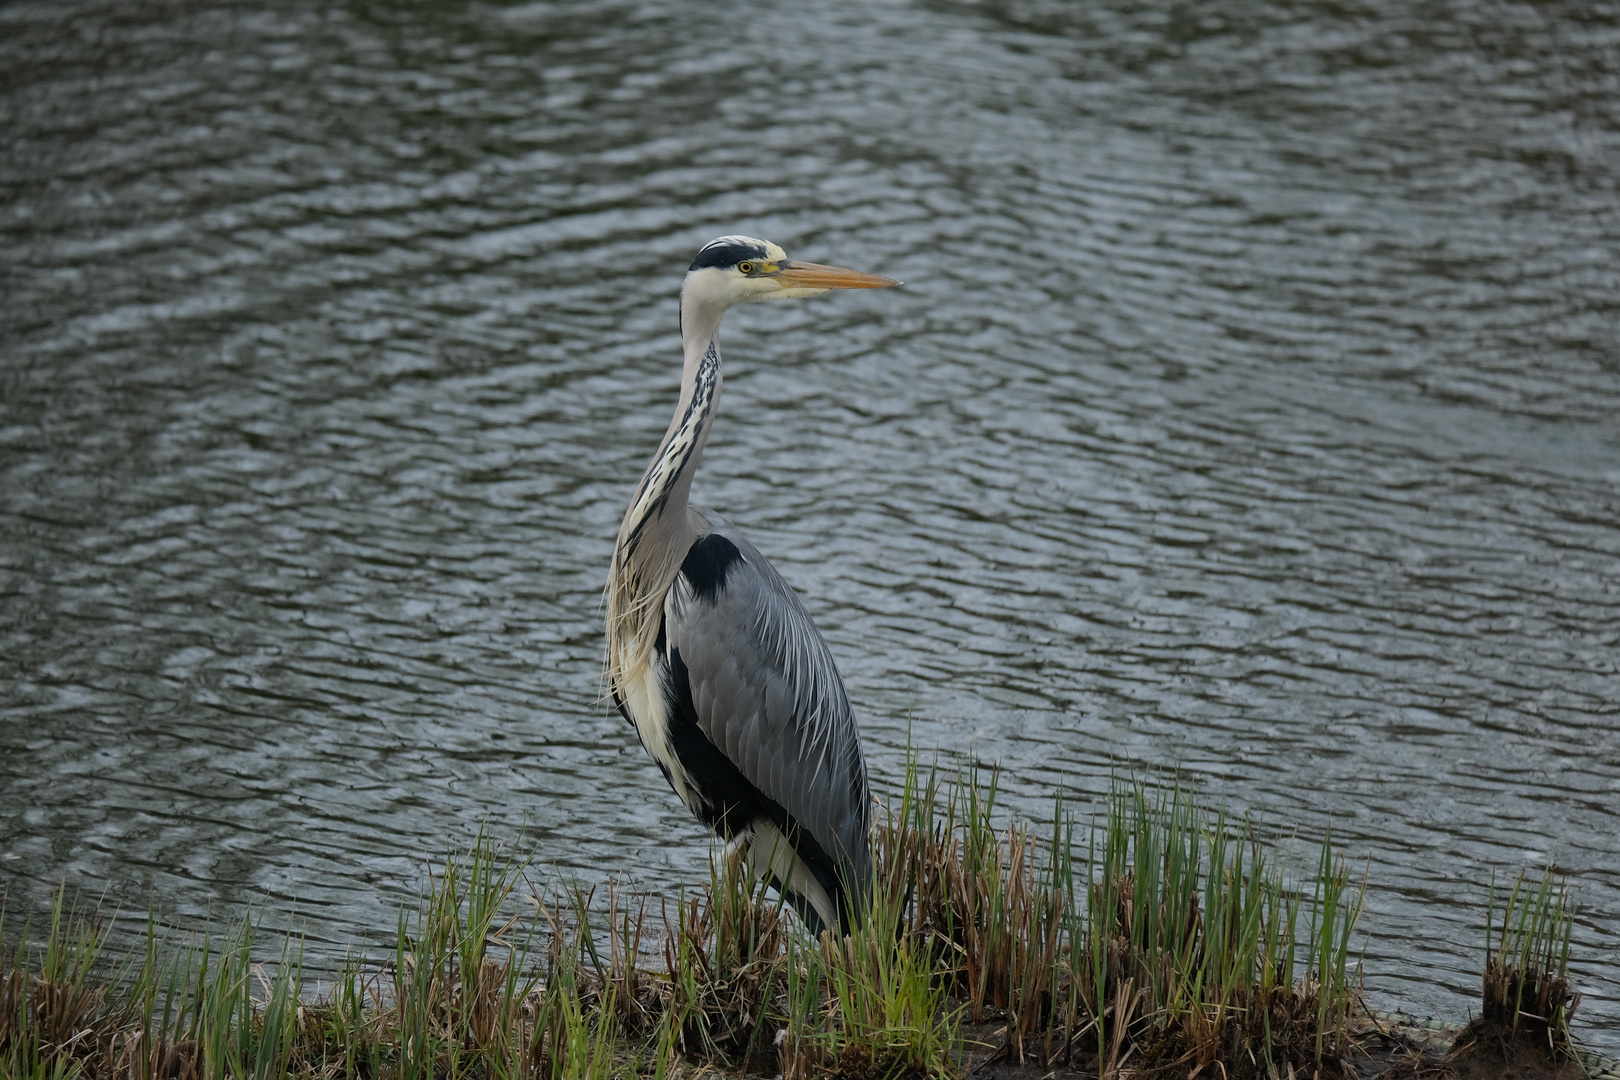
(1252, 407)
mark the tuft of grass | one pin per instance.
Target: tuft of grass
(457, 986)
(724, 953)
(877, 1004)
(193, 1011)
(982, 903)
(46, 1016)
(1526, 988)
(1193, 951)
(1172, 938)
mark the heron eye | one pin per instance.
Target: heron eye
(746, 267)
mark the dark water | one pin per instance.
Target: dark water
(1252, 407)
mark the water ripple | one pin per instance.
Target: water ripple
(1249, 410)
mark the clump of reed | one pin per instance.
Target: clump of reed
(1527, 1001)
(190, 1012)
(1170, 941)
(871, 1004)
(724, 956)
(464, 994)
(1161, 940)
(45, 1010)
(1196, 951)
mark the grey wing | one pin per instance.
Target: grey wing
(762, 688)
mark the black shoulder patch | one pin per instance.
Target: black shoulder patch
(725, 255)
(707, 564)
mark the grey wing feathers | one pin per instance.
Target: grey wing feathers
(767, 694)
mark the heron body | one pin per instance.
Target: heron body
(711, 655)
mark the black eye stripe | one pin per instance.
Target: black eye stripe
(726, 255)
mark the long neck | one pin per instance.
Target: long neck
(657, 530)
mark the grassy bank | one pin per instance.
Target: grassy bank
(1160, 939)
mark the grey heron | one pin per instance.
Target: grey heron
(713, 659)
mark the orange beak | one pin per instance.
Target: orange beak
(804, 275)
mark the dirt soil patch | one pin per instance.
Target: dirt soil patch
(1480, 1051)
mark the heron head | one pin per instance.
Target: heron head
(741, 269)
